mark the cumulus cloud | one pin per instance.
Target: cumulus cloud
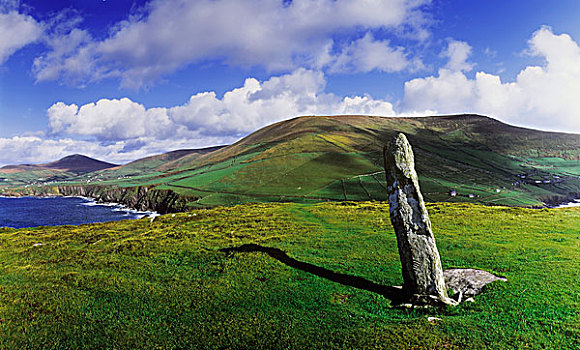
(16, 31)
(238, 112)
(449, 92)
(258, 104)
(457, 52)
(121, 130)
(544, 96)
(368, 54)
(110, 120)
(35, 149)
(277, 35)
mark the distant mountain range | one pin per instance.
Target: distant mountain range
(467, 158)
(75, 163)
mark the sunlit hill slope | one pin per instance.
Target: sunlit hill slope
(321, 158)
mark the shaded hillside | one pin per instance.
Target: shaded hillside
(78, 163)
(340, 158)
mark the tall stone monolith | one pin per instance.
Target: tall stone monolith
(422, 273)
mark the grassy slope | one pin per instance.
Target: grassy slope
(28, 177)
(335, 158)
(167, 285)
(313, 159)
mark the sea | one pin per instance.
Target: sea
(52, 211)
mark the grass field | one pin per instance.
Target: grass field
(172, 283)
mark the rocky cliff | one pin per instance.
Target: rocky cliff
(142, 198)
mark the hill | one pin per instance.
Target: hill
(78, 168)
(327, 158)
(162, 161)
(66, 169)
(75, 163)
(340, 158)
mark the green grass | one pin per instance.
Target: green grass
(167, 285)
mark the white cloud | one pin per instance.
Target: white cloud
(543, 96)
(34, 149)
(16, 31)
(68, 57)
(258, 104)
(238, 112)
(119, 130)
(110, 120)
(449, 92)
(277, 35)
(367, 54)
(458, 52)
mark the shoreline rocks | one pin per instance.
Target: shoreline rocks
(140, 198)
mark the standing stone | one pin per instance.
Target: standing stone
(422, 272)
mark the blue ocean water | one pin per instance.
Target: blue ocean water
(31, 211)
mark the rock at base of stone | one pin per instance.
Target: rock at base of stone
(468, 282)
(463, 283)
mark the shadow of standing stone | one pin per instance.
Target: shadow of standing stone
(425, 284)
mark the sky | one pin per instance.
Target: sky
(123, 79)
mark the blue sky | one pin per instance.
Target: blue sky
(123, 79)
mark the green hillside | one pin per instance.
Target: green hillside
(175, 283)
(313, 159)
(340, 158)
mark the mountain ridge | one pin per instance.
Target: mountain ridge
(320, 158)
(75, 163)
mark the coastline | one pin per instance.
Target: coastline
(93, 202)
(31, 211)
(572, 204)
(137, 198)
(116, 206)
